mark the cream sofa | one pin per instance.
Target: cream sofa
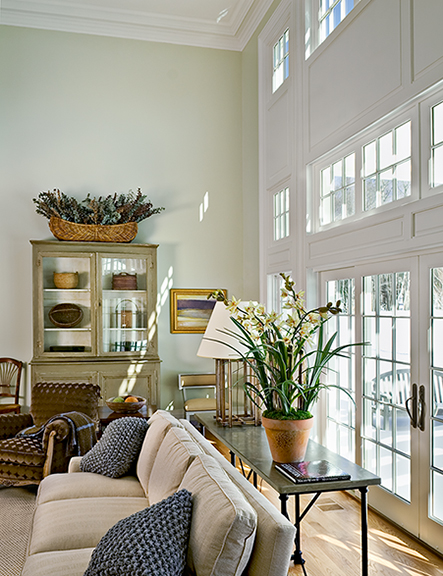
(234, 530)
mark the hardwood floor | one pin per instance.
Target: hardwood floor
(330, 539)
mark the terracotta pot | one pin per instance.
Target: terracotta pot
(288, 439)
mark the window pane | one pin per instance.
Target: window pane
(337, 175)
(403, 141)
(437, 165)
(402, 175)
(437, 124)
(370, 193)
(403, 488)
(369, 159)
(386, 186)
(385, 150)
(437, 498)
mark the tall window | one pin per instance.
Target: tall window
(275, 284)
(337, 195)
(281, 61)
(437, 145)
(387, 167)
(281, 214)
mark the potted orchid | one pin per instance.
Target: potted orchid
(288, 354)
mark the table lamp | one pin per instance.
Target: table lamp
(220, 342)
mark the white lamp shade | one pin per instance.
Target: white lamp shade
(216, 343)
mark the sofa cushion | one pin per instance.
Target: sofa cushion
(117, 449)
(79, 522)
(173, 458)
(223, 523)
(152, 542)
(274, 540)
(87, 485)
(159, 424)
(58, 563)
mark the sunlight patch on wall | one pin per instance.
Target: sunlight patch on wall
(204, 206)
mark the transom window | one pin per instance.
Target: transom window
(437, 145)
(337, 195)
(387, 167)
(331, 13)
(281, 214)
(281, 61)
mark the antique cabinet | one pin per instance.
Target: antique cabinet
(94, 316)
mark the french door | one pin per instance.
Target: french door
(395, 427)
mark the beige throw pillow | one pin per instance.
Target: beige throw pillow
(223, 523)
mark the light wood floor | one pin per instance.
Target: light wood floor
(330, 539)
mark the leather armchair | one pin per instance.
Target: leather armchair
(62, 423)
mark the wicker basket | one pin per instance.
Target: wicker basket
(64, 230)
(65, 315)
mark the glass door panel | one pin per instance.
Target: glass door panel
(124, 320)
(386, 380)
(430, 399)
(340, 416)
(68, 319)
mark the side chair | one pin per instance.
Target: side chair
(10, 377)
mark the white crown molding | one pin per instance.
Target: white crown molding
(231, 33)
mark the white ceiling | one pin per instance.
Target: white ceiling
(225, 24)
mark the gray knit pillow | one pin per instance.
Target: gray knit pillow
(152, 542)
(117, 449)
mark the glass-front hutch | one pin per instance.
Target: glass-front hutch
(94, 316)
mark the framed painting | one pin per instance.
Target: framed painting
(190, 310)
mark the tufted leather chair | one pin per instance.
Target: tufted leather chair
(62, 423)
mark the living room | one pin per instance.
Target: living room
(97, 113)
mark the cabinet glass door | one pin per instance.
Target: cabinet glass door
(124, 304)
(68, 322)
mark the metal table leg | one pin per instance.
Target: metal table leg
(364, 531)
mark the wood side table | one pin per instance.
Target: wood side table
(106, 415)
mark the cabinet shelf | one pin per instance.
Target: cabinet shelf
(84, 290)
(141, 329)
(67, 329)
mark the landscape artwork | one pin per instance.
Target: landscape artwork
(190, 310)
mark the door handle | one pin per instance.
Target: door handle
(413, 412)
(421, 408)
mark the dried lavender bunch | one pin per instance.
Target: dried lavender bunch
(113, 209)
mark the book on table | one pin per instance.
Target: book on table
(313, 471)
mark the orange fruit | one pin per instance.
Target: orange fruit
(131, 399)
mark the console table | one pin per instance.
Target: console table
(250, 445)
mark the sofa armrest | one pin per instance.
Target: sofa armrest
(11, 424)
(74, 464)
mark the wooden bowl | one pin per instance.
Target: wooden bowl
(65, 315)
(66, 280)
(126, 407)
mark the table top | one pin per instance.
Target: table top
(250, 444)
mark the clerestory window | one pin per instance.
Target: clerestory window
(281, 61)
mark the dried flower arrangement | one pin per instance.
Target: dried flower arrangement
(114, 209)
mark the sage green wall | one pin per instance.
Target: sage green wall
(94, 114)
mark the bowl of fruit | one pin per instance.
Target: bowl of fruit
(126, 404)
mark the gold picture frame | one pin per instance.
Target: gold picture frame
(190, 309)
